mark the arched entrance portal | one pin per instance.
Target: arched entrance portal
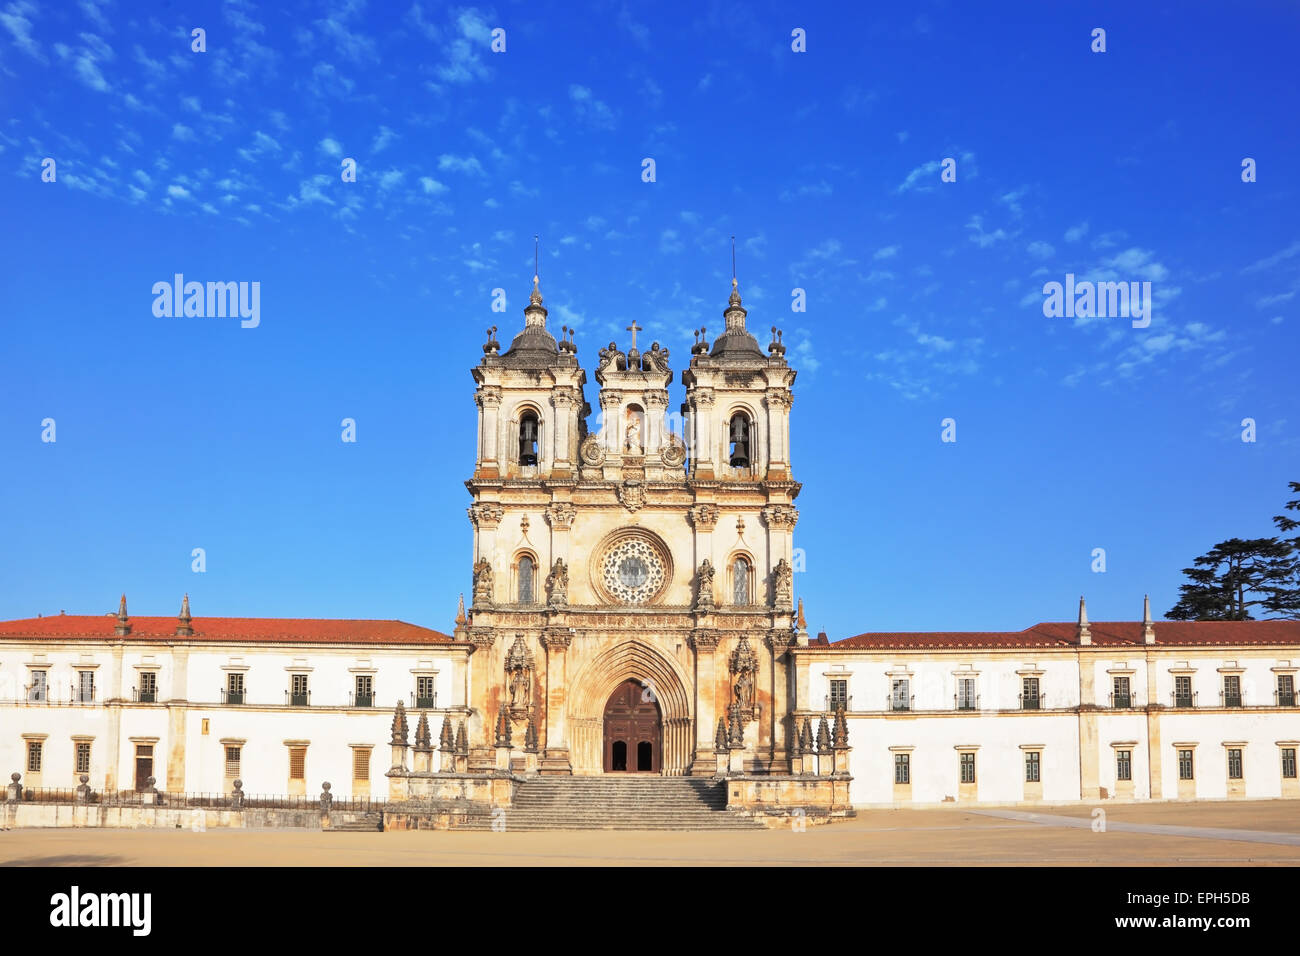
(633, 730)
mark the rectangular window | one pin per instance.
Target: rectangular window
(1231, 690)
(1122, 697)
(1032, 766)
(148, 687)
(1029, 693)
(902, 697)
(1183, 691)
(234, 688)
(968, 768)
(1123, 765)
(232, 760)
(82, 761)
(298, 693)
(1285, 690)
(1234, 763)
(1288, 762)
(424, 692)
(365, 690)
(39, 692)
(902, 768)
(966, 693)
(33, 756)
(361, 764)
(839, 695)
(1185, 765)
(85, 687)
(297, 763)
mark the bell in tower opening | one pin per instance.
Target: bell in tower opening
(528, 439)
(739, 441)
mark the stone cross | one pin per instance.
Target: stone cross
(634, 329)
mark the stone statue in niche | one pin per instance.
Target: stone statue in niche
(744, 666)
(704, 582)
(482, 582)
(633, 443)
(783, 585)
(557, 584)
(519, 678)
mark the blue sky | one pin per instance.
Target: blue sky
(924, 298)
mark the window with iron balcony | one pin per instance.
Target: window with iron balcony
(364, 695)
(425, 696)
(298, 695)
(1183, 695)
(233, 693)
(1231, 692)
(901, 697)
(1030, 698)
(1121, 698)
(966, 698)
(1285, 693)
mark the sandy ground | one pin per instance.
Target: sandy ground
(1254, 833)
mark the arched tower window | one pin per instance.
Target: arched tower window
(740, 582)
(525, 579)
(528, 438)
(739, 436)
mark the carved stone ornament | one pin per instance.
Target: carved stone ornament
(673, 451)
(519, 678)
(560, 515)
(482, 583)
(557, 584)
(704, 585)
(631, 495)
(783, 585)
(744, 666)
(704, 517)
(592, 451)
(486, 514)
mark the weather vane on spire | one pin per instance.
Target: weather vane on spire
(536, 270)
(733, 260)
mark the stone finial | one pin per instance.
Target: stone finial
(530, 735)
(399, 726)
(123, 627)
(461, 620)
(720, 740)
(183, 628)
(1083, 631)
(806, 737)
(503, 729)
(1148, 625)
(841, 735)
(462, 740)
(800, 621)
(735, 727)
(823, 736)
(447, 739)
(326, 798)
(423, 739)
(795, 749)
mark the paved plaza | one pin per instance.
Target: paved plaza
(1238, 833)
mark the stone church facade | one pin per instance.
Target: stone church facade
(611, 555)
(632, 610)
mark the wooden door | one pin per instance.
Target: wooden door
(633, 730)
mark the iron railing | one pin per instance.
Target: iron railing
(137, 798)
(1230, 700)
(1284, 698)
(297, 700)
(425, 703)
(144, 696)
(900, 701)
(233, 696)
(966, 701)
(1123, 701)
(834, 703)
(1185, 700)
(1033, 701)
(362, 700)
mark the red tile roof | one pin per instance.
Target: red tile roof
(1104, 634)
(256, 630)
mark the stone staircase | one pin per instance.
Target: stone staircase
(363, 823)
(616, 802)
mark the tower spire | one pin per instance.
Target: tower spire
(733, 261)
(1148, 625)
(1084, 632)
(123, 626)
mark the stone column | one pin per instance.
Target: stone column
(611, 423)
(560, 515)
(481, 680)
(705, 644)
(656, 404)
(778, 405)
(486, 517)
(489, 400)
(565, 454)
(555, 748)
(704, 438)
(177, 711)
